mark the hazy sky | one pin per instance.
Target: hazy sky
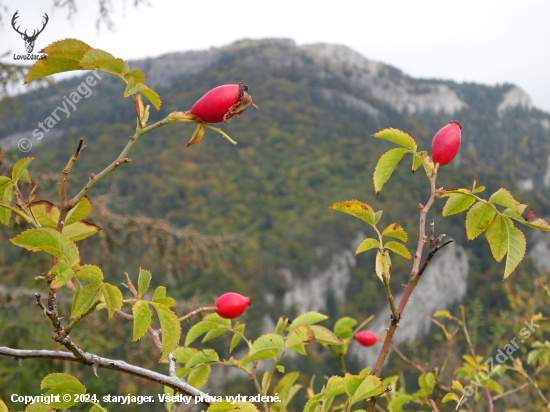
(484, 41)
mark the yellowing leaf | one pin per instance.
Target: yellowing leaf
(367, 244)
(197, 135)
(479, 217)
(457, 202)
(357, 209)
(79, 212)
(383, 264)
(137, 74)
(451, 396)
(171, 328)
(80, 230)
(51, 65)
(143, 282)
(142, 319)
(385, 166)
(45, 212)
(534, 222)
(62, 47)
(63, 273)
(497, 236)
(302, 335)
(397, 136)
(504, 238)
(396, 231)
(113, 298)
(100, 58)
(325, 336)
(417, 160)
(504, 198)
(398, 248)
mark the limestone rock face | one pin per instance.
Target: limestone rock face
(515, 97)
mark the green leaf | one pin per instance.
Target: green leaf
(325, 336)
(457, 202)
(479, 189)
(79, 212)
(398, 248)
(504, 198)
(377, 216)
(385, 167)
(160, 297)
(153, 97)
(494, 386)
(61, 384)
(75, 296)
(367, 244)
(137, 74)
(33, 407)
(214, 317)
(450, 397)
(203, 356)
(97, 408)
(71, 48)
(504, 238)
(80, 230)
(143, 282)
(397, 136)
(302, 335)
(396, 404)
(236, 337)
(214, 333)
(198, 376)
(266, 342)
(479, 217)
(63, 273)
(113, 298)
(370, 386)
(355, 208)
(51, 65)
(199, 329)
(142, 319)
(20, 171)
(6, 194)
(343, 328)
(396, 231)
(100, 58)
(417, 160)
(86, 299)
(311, 404)
(308, 318)
(45, 212)
(497, 236)
(281, 325)
(183, 354)
(457, 386)
(283, 387)
(171, 328)
(90, 273)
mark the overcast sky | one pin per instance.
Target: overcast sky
(483, 41)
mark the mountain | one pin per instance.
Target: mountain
(260, 208)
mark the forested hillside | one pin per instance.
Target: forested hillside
(254, 217)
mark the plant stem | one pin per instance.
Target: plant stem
(197, 311)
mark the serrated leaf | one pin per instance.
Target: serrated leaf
(143, 282)
(417, 160)
(450, 397)
(311, 404)
(198, 376)
(20, 172)
(214, 333)
(504, 198)
(137, 74)
(370, 386)
(516, 248)
(203, 356)
(113, 298)
(90, 273)
(86, 298)
(63, 273)
(396, 404)
(367, 244)
(302, 335)
(236, 337)
(398, 248)
(355, 208)
(80, 230)
(75, 296)
(325, 336)
(214, 317)
(283, 387)
(534, 222)
(457, 202)
(397, 136)
(199, 329)
(343, 328)
(100, 58)
(171, 328)
(62, 384)
(396, 231)
(385, 166)
(142, 319)
(497, 236)
(68, 248)
(266, 342)
(153, 97)
(308, 318)
(377, 216)
(46, 213)
(457, 386)
(6, 197)
(383, 265)
(51, 65)
(79, 212)
(61, 47)
(478, 219)
(183, 354)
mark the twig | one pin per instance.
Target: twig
(197, 311)
(407, 360)
(466, 334)
(116, 365)
(390, 296)
(131, 285)
(172, 365)
(154, 333)
(511, 391)
(489, 399)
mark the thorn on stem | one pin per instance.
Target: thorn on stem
(94, 368)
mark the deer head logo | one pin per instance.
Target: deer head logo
(29, 40)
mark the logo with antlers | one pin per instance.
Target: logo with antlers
(29, 40)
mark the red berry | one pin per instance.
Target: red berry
(366, 338)
(446, 143)
(222, 103)
(231, 305)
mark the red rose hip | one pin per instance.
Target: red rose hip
(222, 103)
(446, 143)
(366, 338)
(231, 305)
